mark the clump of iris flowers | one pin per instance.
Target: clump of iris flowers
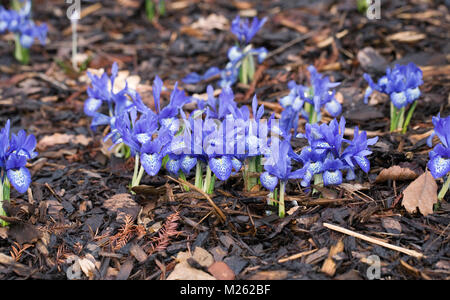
(439, 163)
(278, 169)
(402, 85)
(18, 21)
(329, 154)
(308, 101)
(241, 57)
(148, 133)
(15, 150)
(105, 103)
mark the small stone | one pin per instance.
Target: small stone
(221, 271)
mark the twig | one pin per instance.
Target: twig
(374, 241)
(291, 43)
(218, 211)
(296, 256)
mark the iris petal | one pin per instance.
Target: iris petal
(173, 166)
(363, 162)
(268, 181)
(151, 163)
(221, 166)
(332, 177)
(439, 166)
(20, 179)
(187, 163)
(91, 105)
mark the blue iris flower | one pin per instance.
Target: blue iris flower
(319, 95)
(244, 31)
(401, 83)
(439, 163)
(102, 91)
(280, 167)
(329, 153)
(20, 22)
(15, 150)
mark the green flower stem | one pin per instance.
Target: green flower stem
(251, 67)
(259, 166)
(243, 72)
(281, 209)
(136, 170)
(182, 176)
(162, 7)
(251, 181)
(409, 116)
(211, 184)
(122, 150)
(210, 179)
(318, 181)
(150, 9)
(401, 119)
(312, 113)
(271, 200)
(444, 188)
(198, 175)
(4, 196)
(393, 114)
(138, 173)
(20, 53)
(15, 4)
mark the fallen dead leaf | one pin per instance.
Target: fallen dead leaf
(122, 205)
(211, 22)
(62, 138)
(406, 37)
(422, 194)
(396, 173)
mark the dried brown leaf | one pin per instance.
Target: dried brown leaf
(122, 205)
(421, 193)
(62, 138)
(396, 173)
(406, 37)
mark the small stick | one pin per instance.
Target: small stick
(374, 241)
(295, 256)
(216, 208)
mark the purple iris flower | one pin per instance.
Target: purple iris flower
(319, 95)
(245, 31)
(329, 153)
(439, 163)
(20, 22)
(102, 91)
(401, 83)
(280, 169)
(15, 150)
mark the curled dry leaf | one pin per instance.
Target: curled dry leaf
(396, 173)
(422, 194)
